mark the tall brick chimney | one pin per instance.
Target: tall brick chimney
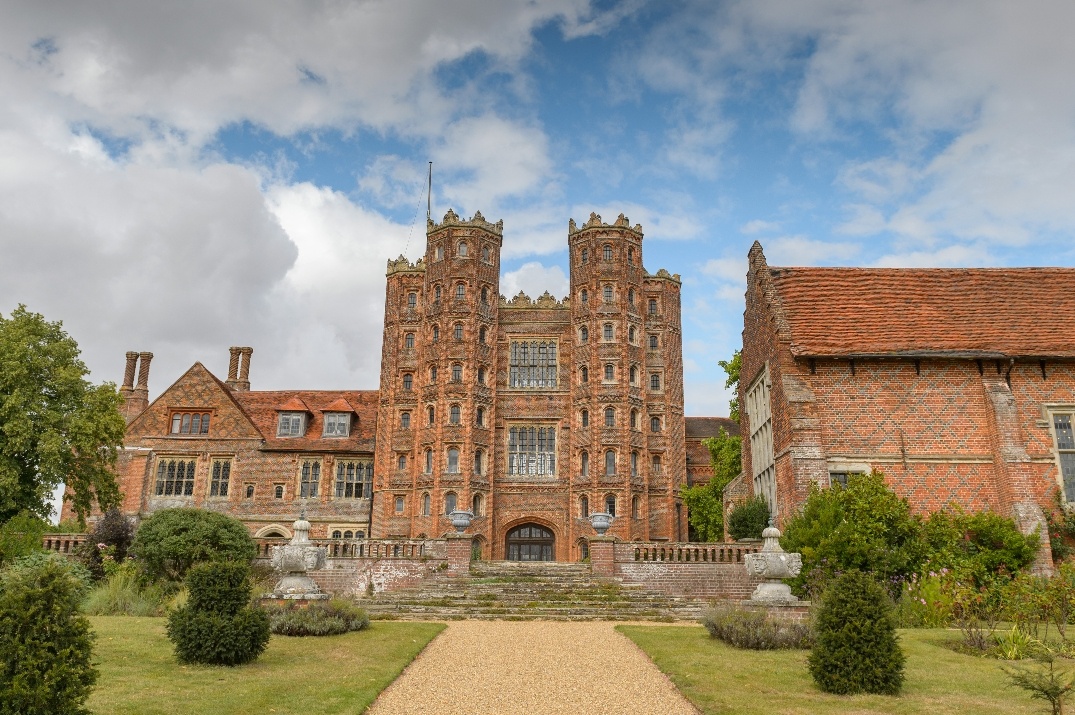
(239, 368)
(135, 397)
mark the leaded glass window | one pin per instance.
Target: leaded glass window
(453, 461)
(1065, 446)
(532, 364)
(450, 500)
(532, 450)
(175, 478)
(337, 424)
(311, 477)
(219, 478)
(291, 424)
(354, 479)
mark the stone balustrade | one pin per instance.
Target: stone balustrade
(730, 553)
(63, 543)
(408, 549)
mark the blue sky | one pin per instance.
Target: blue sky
(182, 177)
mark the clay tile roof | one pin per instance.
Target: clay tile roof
(293, 405)
(264, 408)
(969, 312)
(702, 427)
(340, 405)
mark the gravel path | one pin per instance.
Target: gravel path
(531, 667)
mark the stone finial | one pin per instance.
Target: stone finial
(773, 564)
(294, 559)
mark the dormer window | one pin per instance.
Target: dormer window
(337, 424)
(291, 424)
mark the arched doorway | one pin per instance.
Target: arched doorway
(530, 542)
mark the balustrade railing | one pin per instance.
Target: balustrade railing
(730, 553)
(63, 543)
(410, 549)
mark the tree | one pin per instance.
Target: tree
(45, 643)
(55, 426)
(705, 503)
(170, 541)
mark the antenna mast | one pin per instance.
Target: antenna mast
(429, 191)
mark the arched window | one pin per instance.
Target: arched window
(653, 306)
(610, 504)
(436, 294)
(449, 502)
(453, 460)
(634, 374)
(655, 464)
(408, 381)
(401, 463)
(412, 300)
(429, 461)
(436, 333)
(485, 294)
(479, 417)
(481, 334)
(610, 463)
(584, 255)
(278, 491)
(606, 294)
(408, 341)
(634, 464)
(636, 507)
(610, 417)
(405, 420)
(634, 419)
(337, 534)
(653, 342)
(462, 249)
(631, 335)
(481, 375)
(609, 331)
(458, 331)
(654, 424)
(478, 461)
(432, 373)
(485, 254)
(584, 334)
(453, 414)
(427, 505)
(432, 415)
(584, 506)
(654, 381)
(584, 417)
(584, 375)
(477, 506)
(439, 253)
(630, 255)
(399, 505)
(457, 373)
(460, 291)
(584, 296)
(584, 464)
(610, 372)
(607, 252)
(631, 296)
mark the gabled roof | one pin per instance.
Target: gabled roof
(958, 312)
(265, 406)
(703, 427)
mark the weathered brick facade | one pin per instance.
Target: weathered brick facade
(946, 380)
(496, 403)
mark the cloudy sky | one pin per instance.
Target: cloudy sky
(182, 177)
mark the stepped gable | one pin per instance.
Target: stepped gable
(264, 408)
(955, 312)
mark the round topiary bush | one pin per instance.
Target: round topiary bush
(325, 618)
(45, 643)
(218, 626)
(856, 650)
(170, 541)
(749, 519)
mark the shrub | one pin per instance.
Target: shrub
(755, 630)
(170, 541)
(982, 545)
(45, 645)
(20, 536)
(123, 594)
(749, 519)
(326, 618)
(218, 626)
(856, 649)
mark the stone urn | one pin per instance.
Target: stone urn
(294, 559)
(601, 521)
(460, 520)
(773, 564)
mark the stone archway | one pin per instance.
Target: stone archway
(530, 542)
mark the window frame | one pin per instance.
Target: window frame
(182, 485)
(341, 424)
(296, 424)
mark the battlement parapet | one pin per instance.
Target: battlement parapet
(546, 300)
(596, 222)
(402, 265)
(477, 221)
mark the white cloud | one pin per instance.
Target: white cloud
(803, 251)
(534, 279)
(757, 225)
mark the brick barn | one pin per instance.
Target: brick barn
(957, 384)
(532, 413)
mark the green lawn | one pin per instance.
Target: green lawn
(334, 674)
(720, 679)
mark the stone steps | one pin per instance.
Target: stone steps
(528, 591)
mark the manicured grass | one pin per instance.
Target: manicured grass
(720, 679)
(332, 674)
